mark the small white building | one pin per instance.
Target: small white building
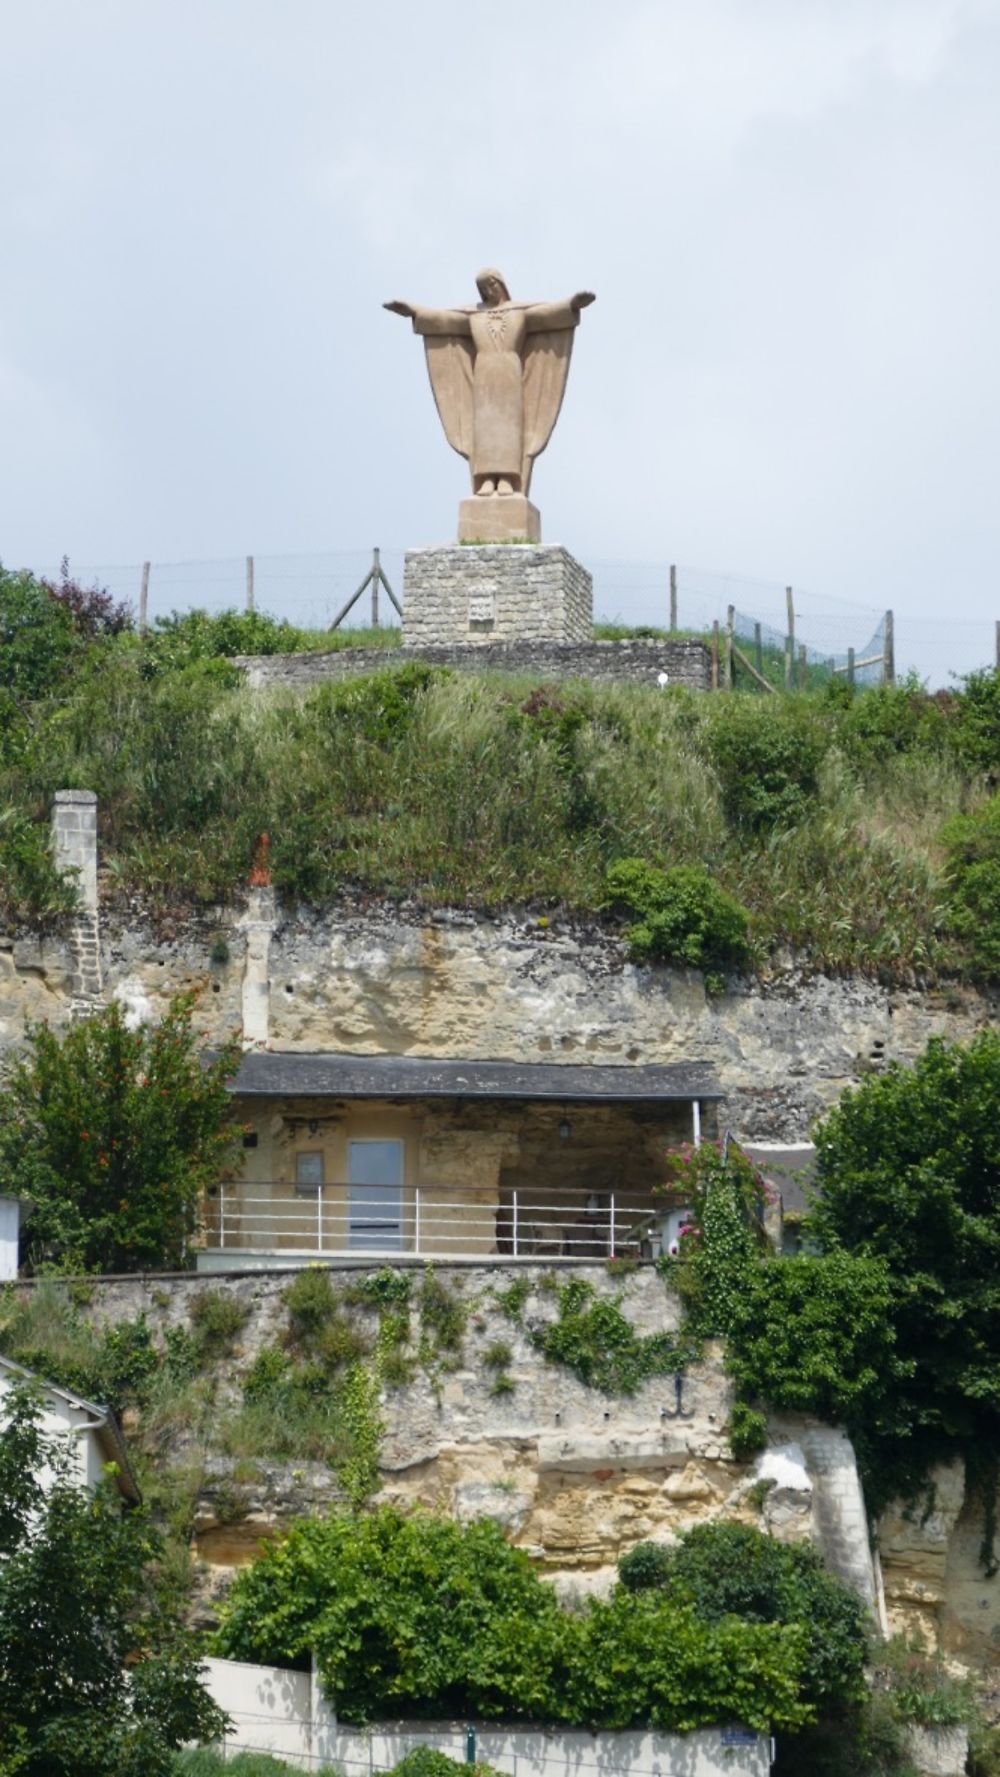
(14, 1212)
(97, 1439)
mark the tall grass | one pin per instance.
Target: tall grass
(822, 813)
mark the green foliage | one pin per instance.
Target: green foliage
(684, 917)
(443, 1318)
(115, 1365)
(725, 1234)
(27, 871)
(592, 1337)
(422, 1616)
(976, 718)
(426, 1761)
(511, 1300)
(767, 757)
(206, 1763)
(37, 638)
(497, 1355)
(218, 1318)
(814, 1334)
(114, 1134)
(909, 1171)
(643, 1567)
(74, 1607)
(357, 1471)
(972, 842)
(747, 1431)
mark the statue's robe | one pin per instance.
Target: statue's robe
(498, 376)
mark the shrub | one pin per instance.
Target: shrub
(767, 757)
(114, 1133)
(747, 1431)
(973, 879)
(218, 1318)
(424, 1616)
(92, 609)
(731, 1570)
(643, 1567)
(37, 640)
(684, 917)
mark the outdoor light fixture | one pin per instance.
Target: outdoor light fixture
(313, 1126)
(565, 1130)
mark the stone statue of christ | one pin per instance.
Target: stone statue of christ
(498, 372)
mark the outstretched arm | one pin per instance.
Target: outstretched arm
(543, 316)
(431, 320)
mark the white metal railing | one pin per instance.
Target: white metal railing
(431, 1221)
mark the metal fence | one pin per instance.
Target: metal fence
(433, 1222)
(310, 590)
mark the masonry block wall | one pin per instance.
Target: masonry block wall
(512, 592)
(606, 663)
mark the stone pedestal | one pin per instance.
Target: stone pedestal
(504, 593)
(499, 518)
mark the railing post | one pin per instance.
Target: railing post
(416, 1218)
(611, 1229)
(514, 1194)
(222, 1216)
(319, 1218)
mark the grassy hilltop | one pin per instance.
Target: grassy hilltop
(859, 831)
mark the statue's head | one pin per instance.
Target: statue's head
(491, 287)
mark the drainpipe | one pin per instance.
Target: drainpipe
(696, 1121)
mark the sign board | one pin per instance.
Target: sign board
(739, 1737)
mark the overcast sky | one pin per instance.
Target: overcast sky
(788, 210)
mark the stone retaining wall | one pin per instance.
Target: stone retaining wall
(605, 663)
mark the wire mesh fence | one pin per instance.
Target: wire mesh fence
(310, 590)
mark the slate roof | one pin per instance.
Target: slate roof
(265, 1074)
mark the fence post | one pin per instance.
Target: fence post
(715, 654)
(144, 600)
(376, 577)
(889, 650)
(850, 667)
(758, 648)
(673, 597)
(788, 663)
(730, 622)
(249, 582)
(790, 639)
(803, 673)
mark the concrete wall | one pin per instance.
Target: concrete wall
(283, 1712)
(508, 593)
(606, 663)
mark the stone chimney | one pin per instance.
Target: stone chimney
(74, 846)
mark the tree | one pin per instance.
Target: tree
(909, 1174)
(96, 1680)
(114, 1133)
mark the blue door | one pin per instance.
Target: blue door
(375, 1195)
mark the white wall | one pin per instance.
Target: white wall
(283, 1713)
(10, 1222)
(59, 1418)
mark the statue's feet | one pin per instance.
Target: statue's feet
(504, 486)
(487, 485)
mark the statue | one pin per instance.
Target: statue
(498, 372)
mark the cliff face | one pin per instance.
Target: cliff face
(575, 1475)
(454, 984)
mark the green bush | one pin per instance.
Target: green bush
(114, 1133)
(747, 1431)
(731, 1570)
(218, 1319)
(767, 757)
(37, 637)
(426, 1617)
(972, 843)
(684, 917)
(814, 1334)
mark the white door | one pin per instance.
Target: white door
(375, 1195)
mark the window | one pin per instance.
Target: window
(308, 1173)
